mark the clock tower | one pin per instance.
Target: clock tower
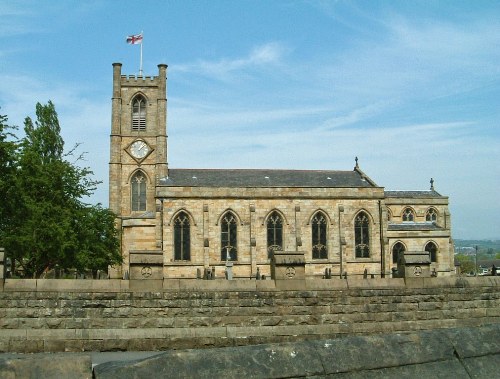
(138, 157)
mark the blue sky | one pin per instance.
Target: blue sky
(410, 87)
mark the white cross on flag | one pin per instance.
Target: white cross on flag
(134, 39)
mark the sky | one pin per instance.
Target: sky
(411, 88)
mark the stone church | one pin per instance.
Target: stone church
(183, 223)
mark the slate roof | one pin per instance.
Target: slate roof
(265, 178)
(412, 194)
(410, 226)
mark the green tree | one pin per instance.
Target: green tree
(7, 173)
(47, 230)
(467, 265)
(97, 239)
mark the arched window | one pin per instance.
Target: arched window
(408, 215)
(138, 191)
(182, 241)
(274, 233)
(432, 249)
(139, 113)
(389, 215)
(319, 243)
(362, 235)
(397, 249)
(228, 236)
(431, 215)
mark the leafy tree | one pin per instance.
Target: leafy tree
(97, 239)
(48, 228)
(7, 173)
(466, 264)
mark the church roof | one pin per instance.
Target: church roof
(412, 194)
(265, 178)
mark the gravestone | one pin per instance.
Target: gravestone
(414, 264)
(288, 265)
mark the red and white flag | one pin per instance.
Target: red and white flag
(134, 39)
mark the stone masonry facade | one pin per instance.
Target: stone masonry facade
(148, 197)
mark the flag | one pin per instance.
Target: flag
(134, 39)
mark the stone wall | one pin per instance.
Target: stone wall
(87, 315)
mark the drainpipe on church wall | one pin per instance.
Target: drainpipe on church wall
(341, 258)
(382, 247)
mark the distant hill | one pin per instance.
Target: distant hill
(485, 248)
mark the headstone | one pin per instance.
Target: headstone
(229, 270)
(288, 265)
(414, 264)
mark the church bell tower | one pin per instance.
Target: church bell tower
(138, 152)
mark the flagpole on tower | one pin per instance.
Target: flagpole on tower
(140, 67)
(136, 39)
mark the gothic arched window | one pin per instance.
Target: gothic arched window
(431, 215)
(139, 113)
(408, 215)
(319, 243)
(274, 233)
(228, 236)
(138, 191)
(397, 249)
(431, 248)
(182, 238)
(362, 235)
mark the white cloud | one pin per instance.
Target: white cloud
(269, 53)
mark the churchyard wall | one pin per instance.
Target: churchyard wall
(104, 315)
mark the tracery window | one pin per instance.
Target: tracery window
(139, 113)
(274, 233)
(362, 235)
(319, 242)
(182, 238)
(228, 236)
(138, 191)
(431, 215)
(408, 215)
(397, 249)
(432, 249)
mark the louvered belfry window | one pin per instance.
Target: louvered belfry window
(139, 113)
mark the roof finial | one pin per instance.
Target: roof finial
(432, 184)
(356, 159)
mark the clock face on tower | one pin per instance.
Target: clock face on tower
(139, 149)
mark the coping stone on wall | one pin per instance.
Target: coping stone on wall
(290, 284)
(47, 366)
(20, 285)
(145, 285)
(326, 284)
(60, 285)
(171, 284)
(108, 285)
(217, 285)
(265, 285)
(259, 361)
(377, 283)
(419, 354)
